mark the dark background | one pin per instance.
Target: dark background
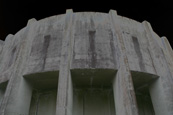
(14, 14)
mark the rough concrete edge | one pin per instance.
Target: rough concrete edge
(153, 34)
(31, 21)
(167, 43)
(9, 36)
(111, 10)
(148, 25)
(168, 47)
(1, 42)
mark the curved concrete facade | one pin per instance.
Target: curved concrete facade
(86, 63)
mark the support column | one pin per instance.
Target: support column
(18, 92)
(168, 52)
(6, 94)
(161, 90)
(124, 94)
(64, 96)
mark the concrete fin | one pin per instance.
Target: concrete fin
(31, 21)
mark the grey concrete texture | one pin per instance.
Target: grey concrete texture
(86, 63)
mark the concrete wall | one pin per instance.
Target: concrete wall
(93, 42)
(101, 50)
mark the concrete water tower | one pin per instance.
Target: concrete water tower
(86, 63)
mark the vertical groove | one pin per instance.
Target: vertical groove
(113, 48)
(45, 49)
(92, 48)
(152, 61)
(139, 54)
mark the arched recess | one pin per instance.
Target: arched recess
(44, 92)
(142, 82)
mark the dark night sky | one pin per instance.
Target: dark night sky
(14, 14)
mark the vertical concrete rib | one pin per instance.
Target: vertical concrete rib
(161, 90)
(3, 104)
(18, 93)
(124, 94)
(168, 54)
(64, 96)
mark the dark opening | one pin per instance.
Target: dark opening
(44, 92)
(3, 86)
(141, 83)
(92, 91)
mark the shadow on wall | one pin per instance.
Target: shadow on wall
(142, 82)
(44, 92)
(93, 92)
(2, 90)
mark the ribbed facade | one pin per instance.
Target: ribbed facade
(86, 63)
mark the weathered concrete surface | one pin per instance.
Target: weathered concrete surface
(85, 55)
(124, 93)
(64, 96)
